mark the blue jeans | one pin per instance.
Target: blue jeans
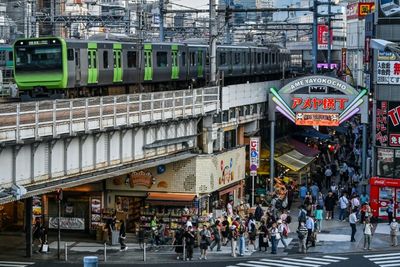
(241, 245)
(342, 214)
(274, 244)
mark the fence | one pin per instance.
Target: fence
(60, 117)
(103, 253)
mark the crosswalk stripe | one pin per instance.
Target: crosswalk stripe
(289, 263)
(335, 257)
(11, 265)
(383, 258)
(307, 261)
(390, 265)
(381, 255)
(387, 261)
(17, 262)
(320, 259)
(278, 263)
(251, 265)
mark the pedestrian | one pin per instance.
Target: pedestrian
(290, 196)
(394, 229)
(205, 236)
(318, 214)
(328, 177)
(282, 230)
(225, 230)
(330, 202)
(189, 239)
(122, 236)
(233, 235)
(252, 230)
(275, 236)
(216, 234)
(302, 217)
(343, 204)
(389, 210)
(320, 200)
(353, 220)
(314, 192)
(263, 236)
(178, 242)
(37, 234)
(364, 198)
(242, 237)
(258, 212)
(310, 229)
(302, 233)
(367, 234)
(229, 208)
(303, 192)
(308, 201)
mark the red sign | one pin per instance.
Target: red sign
(365, 8)
(384, 182)
(313, 103)
(367, 50)
(323, 36)
(317, 119)
(394, 140)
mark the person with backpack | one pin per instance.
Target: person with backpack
(283, 232)
(258, 213)
(233, 236)
(216, 233)
(344, 204)
(225, 231)
(302, 233)
(242, 237)
(263, 236)
(205, 236)
(302, 215)
(330, 202)
(190, 239)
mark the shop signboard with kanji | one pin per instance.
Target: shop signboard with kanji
(388, 124)
(301, 103)
(387, 69)
(254, 155)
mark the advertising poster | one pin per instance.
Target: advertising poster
(388, 12)
(323, 36)
(388, 124)
(95, 210)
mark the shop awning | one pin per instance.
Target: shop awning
(303, 148)
(294, 160)
(312, 133)
(172, 199)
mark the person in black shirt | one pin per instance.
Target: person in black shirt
(122, 236)
(190, 239)
(225, 231)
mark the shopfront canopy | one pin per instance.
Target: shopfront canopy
(313, 133)
(170, 199)
(294, 160)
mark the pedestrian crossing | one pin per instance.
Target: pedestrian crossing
(15, 264)
(385, 260)
(291, 262)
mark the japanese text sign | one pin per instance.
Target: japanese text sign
(254, 155)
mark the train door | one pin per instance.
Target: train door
(117, 53)
(200, 63)
(148, 66)
(92, 63)
(77, 66)
(175, 66)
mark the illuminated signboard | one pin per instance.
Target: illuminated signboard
(316, 101)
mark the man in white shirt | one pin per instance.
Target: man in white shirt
(310, 228)
(353, 220)
(343, 203)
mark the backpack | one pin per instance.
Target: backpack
(278, 204)
(285, 232)
(288, 219)
(302, 217)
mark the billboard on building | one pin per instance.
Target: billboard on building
(323, 37)
(388, 68)
(388, 124)
(388, 12)
(359, 10)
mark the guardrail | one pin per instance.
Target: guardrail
(104, 253)
(36, 120)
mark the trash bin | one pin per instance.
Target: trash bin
(90, 261)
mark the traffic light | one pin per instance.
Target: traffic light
(59, 194)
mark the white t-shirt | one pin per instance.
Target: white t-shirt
(355, 203)
(368, 229)
(343, 201)
(229, 208)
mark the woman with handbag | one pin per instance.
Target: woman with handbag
(263, 236)
(205, 236)
(275, 237)
(367, 234)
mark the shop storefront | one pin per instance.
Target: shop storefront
(383, 190)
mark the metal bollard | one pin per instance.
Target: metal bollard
(184, 248)
(66, 251)
(105, 251)
(144, 251)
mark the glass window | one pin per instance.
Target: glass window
(147, 59)
(273, 58)
(70, 54)
(192, 58)
(237, 58)
(222, 58)
(162, 59)
(105, 59)
(131, 55)
(200, 58)
(266, 58)
(38, 58)
(89, 56)
(183, 57)
(259, 59)
(94, 59)
(10, 55)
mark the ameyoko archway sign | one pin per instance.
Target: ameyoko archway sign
(318, 101)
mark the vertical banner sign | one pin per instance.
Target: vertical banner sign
(323, 36)
(254, 155)
(344, 59)
(367, 54)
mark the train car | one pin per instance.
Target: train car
(6, 69)
(69, 68)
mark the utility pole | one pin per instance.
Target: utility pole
(315, 37)
(329, 35)
(161, 20)
(213, 42)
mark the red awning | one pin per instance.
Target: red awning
(165, 199)
(303, 148)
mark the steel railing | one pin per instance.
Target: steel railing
(66, 117)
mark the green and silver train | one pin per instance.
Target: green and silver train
(71, 68)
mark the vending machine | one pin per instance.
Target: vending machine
(382, 191)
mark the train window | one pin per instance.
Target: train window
(162, 59)
(10, 55)
(76, 58)
(248, 58)
(2, 56)
(183, 56)
(192, 58)
(95, 59)
(70, 54)
(237, 58)
(266, 58)
(259, 59)
(89, 56)
(131, 55)
(105, 59)
(273, 58)
(222, 58)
